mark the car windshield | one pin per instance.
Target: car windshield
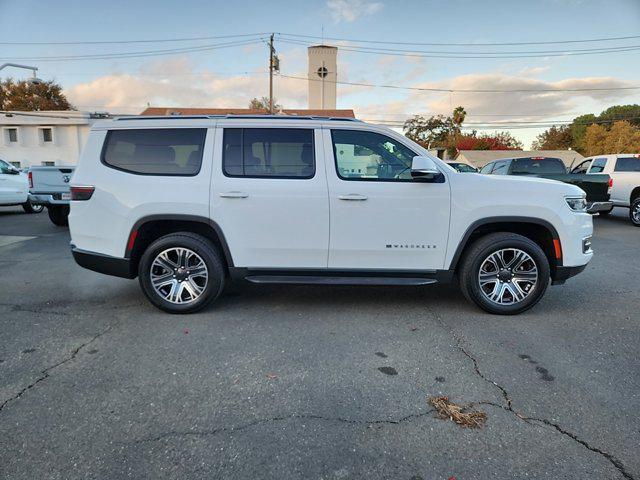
(463, 167)
(537, 165)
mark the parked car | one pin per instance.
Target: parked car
(14, 188)
(49, 186)
(463, 167)
(188, 203)
(624, 170)
(595, 186)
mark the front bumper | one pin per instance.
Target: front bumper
(562, 274)
(115, 266)
(48, 199)
(595, 207)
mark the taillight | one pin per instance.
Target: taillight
(81, 192)
(610, 182)
(30, 176)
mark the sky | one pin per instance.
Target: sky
(231, 65)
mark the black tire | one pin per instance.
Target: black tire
(59, 215)
(201, 246)
(29, 207)
(478, 253)
(634, 212)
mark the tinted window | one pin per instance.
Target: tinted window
(362, 155)
(487, 168)
(534, 166)
(598, 165)
(628, 164)
(158, 151)
(268, 152)
(500, 167)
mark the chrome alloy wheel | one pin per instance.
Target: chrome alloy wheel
(179, 275)
(508, 276)
(636, 212)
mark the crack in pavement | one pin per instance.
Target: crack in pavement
(216, 431)
(44, 374)
(510, 408)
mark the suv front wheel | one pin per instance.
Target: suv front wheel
(181, 272)
(504, 273)
(634, 212)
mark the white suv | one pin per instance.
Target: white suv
(188, 203)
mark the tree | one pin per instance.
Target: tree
(27, 96)
(621, 137)
(263, 104)
(556, 138)
(436, 131)
(486, 141)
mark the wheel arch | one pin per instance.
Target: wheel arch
(150, 228)
(538, 230)
(635, 193)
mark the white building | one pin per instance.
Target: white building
(44, 138)
(323, 75)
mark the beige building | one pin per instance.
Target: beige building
(479, 158)
(44, 138)
(323, 75)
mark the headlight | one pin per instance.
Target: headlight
(577, 204)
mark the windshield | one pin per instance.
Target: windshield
(463, 167)
(537, 165)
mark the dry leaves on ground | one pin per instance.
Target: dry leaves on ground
(457, 413)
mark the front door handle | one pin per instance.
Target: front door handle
(233, 195)
(353, 197)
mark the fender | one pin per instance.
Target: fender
(505, 219)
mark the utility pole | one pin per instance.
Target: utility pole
(271, 74)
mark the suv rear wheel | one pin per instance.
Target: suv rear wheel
(181, 272)
(504, 273)
(59, 215)
(634, 212)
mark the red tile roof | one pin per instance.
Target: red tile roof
(346, 113)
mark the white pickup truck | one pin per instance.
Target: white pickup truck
(624, 185)
(14, 189)
(49, 186)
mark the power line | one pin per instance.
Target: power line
(157, 40)
(145, 53)
(466, 55)
(455, 90)
(556, 42)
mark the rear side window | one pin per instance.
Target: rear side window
(536, 165)
(597, 166)
(628, 164)
(487, 168)
(157, 151)
(268, 153)
(501, 167)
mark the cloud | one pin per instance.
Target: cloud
(175, 82)
(350, 10)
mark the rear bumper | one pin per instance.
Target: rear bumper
(564, 273)
(115, 266)
(596, 207)
(47, 199)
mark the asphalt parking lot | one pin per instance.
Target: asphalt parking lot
(284, 382)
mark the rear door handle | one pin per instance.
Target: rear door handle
(233, 195)
(353, 197)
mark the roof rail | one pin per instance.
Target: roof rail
(238, 116)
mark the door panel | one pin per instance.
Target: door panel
(380, 217)
(272, 204)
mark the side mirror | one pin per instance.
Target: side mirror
(424, 167)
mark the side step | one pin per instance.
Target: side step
(338, 280)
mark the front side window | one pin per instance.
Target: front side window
(628, 164)
(5, 168)
(157, 151)
(598, 165)
(362, 155)
(487, 168)
(501, 167)
(268, 153)
(581, 168)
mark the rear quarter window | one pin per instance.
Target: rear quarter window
(157, 151)
(627, 164)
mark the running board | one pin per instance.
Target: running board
(337, 280)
